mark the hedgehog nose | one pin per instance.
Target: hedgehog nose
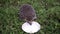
(30, 23)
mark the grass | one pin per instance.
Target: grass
(47, 15)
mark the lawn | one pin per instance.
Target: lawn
(47, 11)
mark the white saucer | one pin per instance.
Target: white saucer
(35, 27)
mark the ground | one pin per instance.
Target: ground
(47, 11)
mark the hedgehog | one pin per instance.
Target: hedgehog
(27, 13)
